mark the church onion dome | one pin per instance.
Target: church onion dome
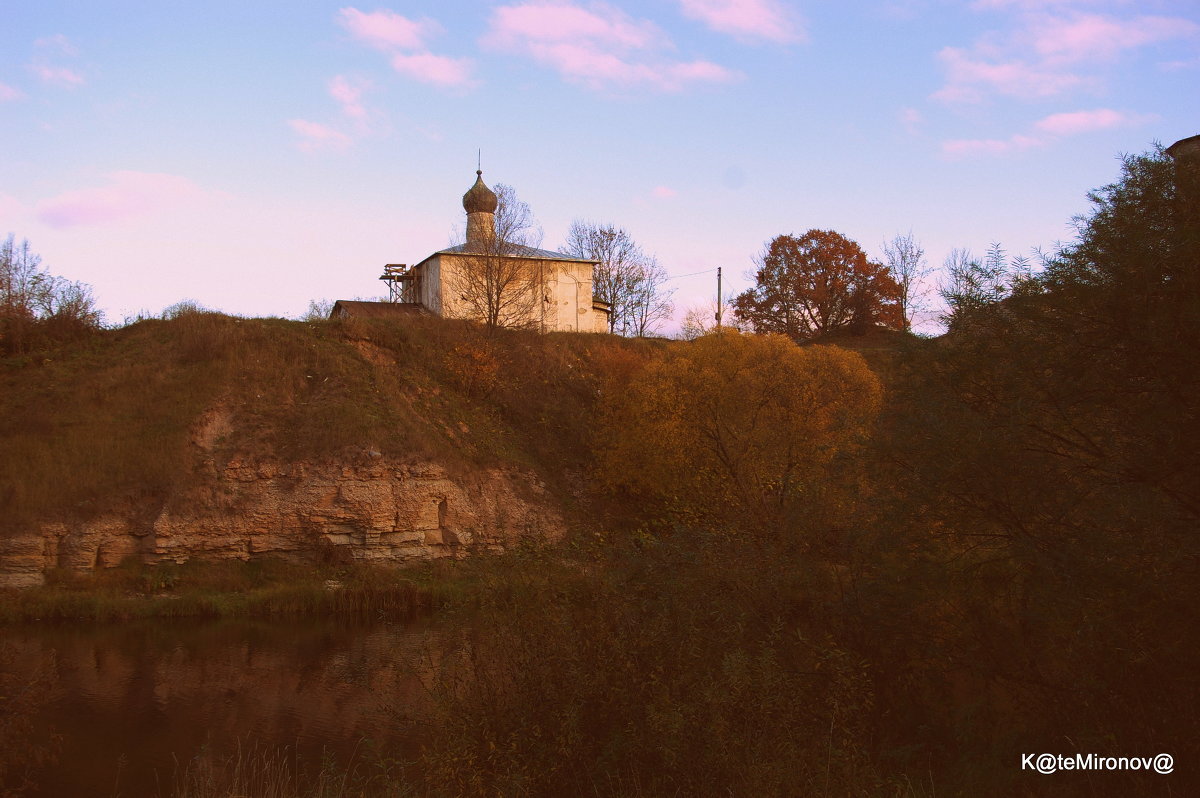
(480, 199)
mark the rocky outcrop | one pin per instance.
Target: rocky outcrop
(374, 510)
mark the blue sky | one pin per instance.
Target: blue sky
(252, 156)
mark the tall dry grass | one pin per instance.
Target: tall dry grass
(254, 771)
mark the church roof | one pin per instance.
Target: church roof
(514, 251)
(510, 251)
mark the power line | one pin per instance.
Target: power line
(692, 274)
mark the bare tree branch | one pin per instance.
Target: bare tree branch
(905, 259)
(498, 286)
(629, 280)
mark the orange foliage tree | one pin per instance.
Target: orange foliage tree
(817, 283)
(736, 429)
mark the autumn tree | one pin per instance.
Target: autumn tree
(742, 429)
(816, 283)
(497, 286)
(629, 280)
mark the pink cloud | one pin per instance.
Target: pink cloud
(57, 42)
(55, 74)
(58, 76)
(959, 148)
(969, 78)
(663, 192)
(552, 23)
(348, 93)
(1026, 4)
(1048, 51)
(1045, 131)
(314, 136)
(439, 70)
(392, 33)
(911, 119)
(746, 19)
(701, 71)
(127, 194)
(387, 30)
(9, 93)
(599, 46)
(1096, 37)
(1075, 122)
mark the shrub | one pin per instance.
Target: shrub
(740, 429)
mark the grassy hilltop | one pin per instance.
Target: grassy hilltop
(107, 423)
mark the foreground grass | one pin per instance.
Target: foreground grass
(264, 772)
(259, 588)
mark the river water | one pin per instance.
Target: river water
(134, 701)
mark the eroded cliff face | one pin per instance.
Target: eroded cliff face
(373, 510)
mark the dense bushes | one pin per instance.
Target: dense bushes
(1051, 443)
(738, 431)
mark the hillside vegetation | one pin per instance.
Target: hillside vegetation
(811, 570)
(107, 423)
(1003, 561)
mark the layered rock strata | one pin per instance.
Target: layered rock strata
(375, 511)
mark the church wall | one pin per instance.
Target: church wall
(567, 284)
(431, 285)
(451, 304)
(599, 322)
(571, 296)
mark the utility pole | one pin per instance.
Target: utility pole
(718, 298)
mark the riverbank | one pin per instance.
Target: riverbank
(224, 589)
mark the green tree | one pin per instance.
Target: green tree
(816, 283)
(970, 285)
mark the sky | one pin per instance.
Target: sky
(254, 155)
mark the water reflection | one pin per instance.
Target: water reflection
(133, 699)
